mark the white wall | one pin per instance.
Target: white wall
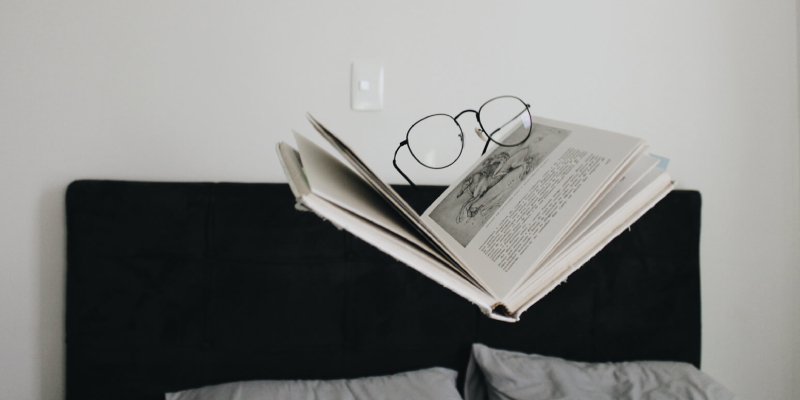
(201, 91)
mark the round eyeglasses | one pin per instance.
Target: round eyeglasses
(437, 140)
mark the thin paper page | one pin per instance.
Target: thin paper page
(602, 191)
(392, 198)
(290, 161)
(371, 178)
(638, 170)
(654, 186)
(637, 194)
(337, 183)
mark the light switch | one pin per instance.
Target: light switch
(366, 86)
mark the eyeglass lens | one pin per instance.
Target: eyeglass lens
(502, 118)
(436, 141)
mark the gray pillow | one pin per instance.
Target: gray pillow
(498, 374)
(432, 383)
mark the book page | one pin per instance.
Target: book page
(639, 170)
(393, 199)
(507, 213)
(615, 180)
(335, 182)
(645, 194)
(290, 161)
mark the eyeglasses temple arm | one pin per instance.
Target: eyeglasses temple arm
(394, 161)
(486, 146)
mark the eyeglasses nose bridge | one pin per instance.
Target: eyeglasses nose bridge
(464, 112)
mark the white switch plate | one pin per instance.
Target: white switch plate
(366, 86)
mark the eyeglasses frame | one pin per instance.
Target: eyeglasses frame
(461, 135)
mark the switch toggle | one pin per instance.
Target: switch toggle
(366, 86)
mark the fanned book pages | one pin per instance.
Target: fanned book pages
(509, 230)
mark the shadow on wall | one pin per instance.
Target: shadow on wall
(52, 306)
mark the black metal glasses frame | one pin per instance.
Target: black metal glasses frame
(488, 139)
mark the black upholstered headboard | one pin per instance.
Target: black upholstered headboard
(178, 285)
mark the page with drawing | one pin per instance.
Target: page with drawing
(508, 212)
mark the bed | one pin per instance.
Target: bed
(172, 286)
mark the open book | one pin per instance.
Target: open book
(508, 231)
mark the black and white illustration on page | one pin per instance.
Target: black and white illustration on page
(467, 208)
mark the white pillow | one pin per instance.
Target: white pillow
(498, 374)
(432, 383)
